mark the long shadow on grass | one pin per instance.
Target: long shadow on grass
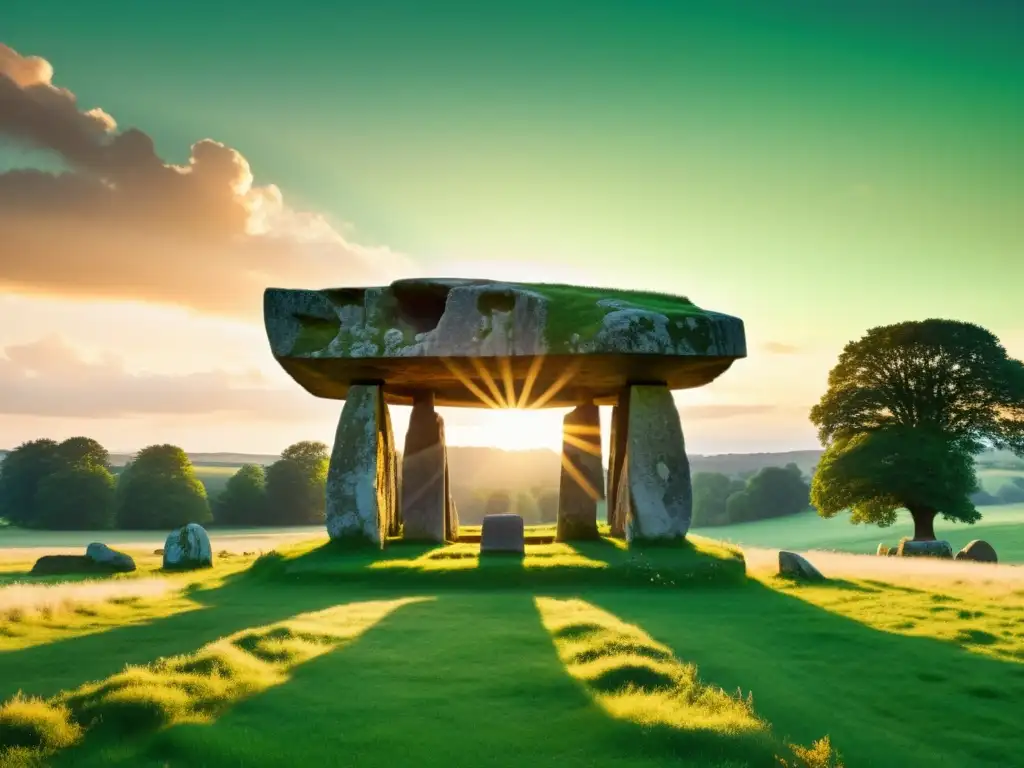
(467, 679)
(885, 699)
(245, 599)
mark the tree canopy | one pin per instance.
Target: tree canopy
(76, 498)
(21, 473)
(243, 500)
(950, 376)
(296, 485)
(159, 489)
(770, 492)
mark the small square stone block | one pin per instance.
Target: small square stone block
(503, 533)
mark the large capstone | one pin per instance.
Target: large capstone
(481, 343)
(188, 547)
(361, 489)
(655, 497)
(581, 483)
(428, 512)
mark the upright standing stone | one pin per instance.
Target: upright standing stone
(616, 454)
(428, 513)
(361, 481)
(655, 497)
(582, 479)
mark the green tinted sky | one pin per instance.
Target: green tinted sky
(814, 167)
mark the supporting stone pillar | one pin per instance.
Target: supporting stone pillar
(616, 454)
(428, 512)
(654, 495)
(582, 479)
(361, 487)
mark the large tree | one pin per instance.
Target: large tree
(159, 489)
(296, 485)
(21, 473)
(244, 499)
(916, 397)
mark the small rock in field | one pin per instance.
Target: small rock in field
(792, 564)
(914, 548)
(502, 533)
(188, 547)
(101, 554)
(158, 551)
(979, 551)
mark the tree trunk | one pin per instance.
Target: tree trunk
(924, 523)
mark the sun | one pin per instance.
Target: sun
(512, 429)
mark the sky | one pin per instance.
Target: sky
(816, 169)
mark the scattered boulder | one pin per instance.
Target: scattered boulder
(915, 548)
(101, 554)
(60, 564)
(503, 533)
(188, 547)
(978, 551)
(792, 564)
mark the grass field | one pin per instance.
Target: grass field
(306, 655)
(1001, 526)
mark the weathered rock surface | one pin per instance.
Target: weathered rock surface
(796, 566)
(101, 554)
(361, 488)
(979, 551)
(503, 533)
(58, 564)
(914, 548)
(581, 483)
(460, 338)
(655, 498)
(188, 547)
(428, 512)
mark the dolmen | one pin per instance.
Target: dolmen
(430, 343)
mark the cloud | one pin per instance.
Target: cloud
(724, 411)
(780, 348)
(120, 223)
(50, 378)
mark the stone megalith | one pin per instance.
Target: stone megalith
(616, 453)
(581, 484)
(428, 513)
(503, 533)
(914, 548)
(188, 547)
(361, 492)
(104, 555)
(655, 498)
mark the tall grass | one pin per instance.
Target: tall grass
(20, 602)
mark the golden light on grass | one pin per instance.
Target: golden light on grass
(191, 688)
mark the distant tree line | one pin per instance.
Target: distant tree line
(769, 492)
(1012, 492)
(72, 486)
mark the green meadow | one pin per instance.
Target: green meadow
(587, 655)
